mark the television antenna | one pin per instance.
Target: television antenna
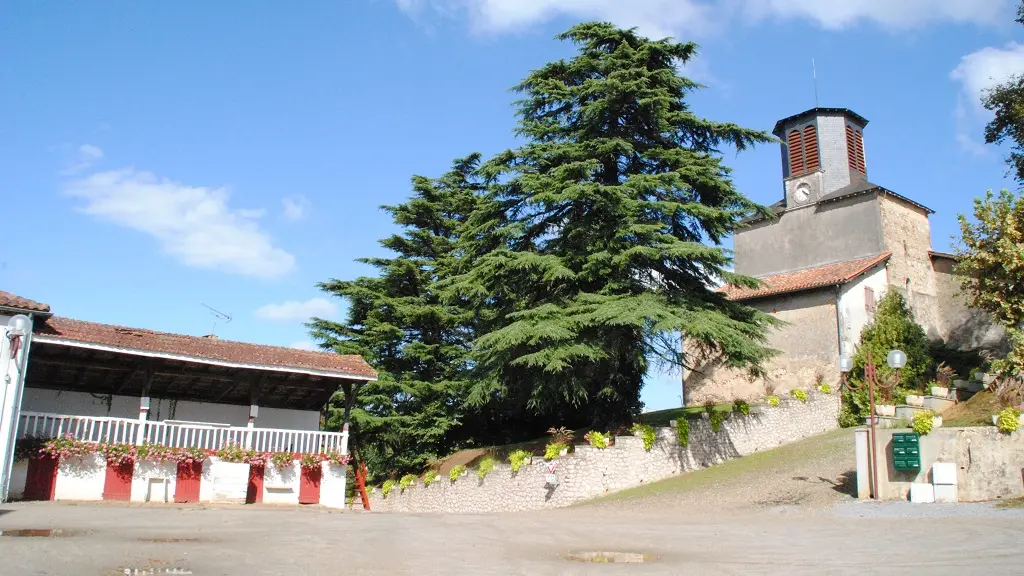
(218, 316)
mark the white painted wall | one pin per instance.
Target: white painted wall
(84, 404)
(81, 478)
(332, 485)
(281, 486)
(206, 482)
(853, 305)
(230, 481)
(19, 475)
(144, 471)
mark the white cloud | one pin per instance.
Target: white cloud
(295, 207)
(659, 18)
(193, 224)
(976, 73)
(85, 156)
(305, 345)
(296, 311)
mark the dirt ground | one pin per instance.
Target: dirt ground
(783, 512)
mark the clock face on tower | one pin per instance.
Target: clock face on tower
(802, 193)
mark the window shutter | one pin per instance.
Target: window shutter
(811, 160)
(796, 153)
(855, 149)
(869, 299)
(860, 153)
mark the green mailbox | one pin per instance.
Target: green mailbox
(906, 452)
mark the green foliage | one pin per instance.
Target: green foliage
(430, 477)
(741, 406)
(773, 401)
(282, 460)
(597, 439)
(824, 388)
(849, 417)
(311, 461)
(455, 472)
(28, 448)
(683, 431)
(117, 452)
(922, 423)
(892, 328)
(517, 458)
(716, 417)
(554, 450)
(601, 235)
(387, 486)
(231, 452)
(398, 321)
(407, 481)
(647, 433)
(1009, 420)
(991, 260)
(485, 467)
(799, 394)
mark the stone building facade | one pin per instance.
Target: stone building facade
(836, 244)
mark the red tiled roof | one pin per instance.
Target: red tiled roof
(200, 348)
(8, 300)
(828, 275)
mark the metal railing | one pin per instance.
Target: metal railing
(178, 435)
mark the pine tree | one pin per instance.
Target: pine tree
(605, 233)
(398, 322)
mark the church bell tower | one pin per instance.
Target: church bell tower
(822, 152)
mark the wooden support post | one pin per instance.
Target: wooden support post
(147, 386)
(255, 388)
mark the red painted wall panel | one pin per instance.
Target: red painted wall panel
(186, 489)
(309, 485)
(118, 483)
(254, 495)
(41, 478)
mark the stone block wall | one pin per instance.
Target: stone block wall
(590, 472)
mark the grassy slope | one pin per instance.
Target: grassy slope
(782, 459)
(977, 411)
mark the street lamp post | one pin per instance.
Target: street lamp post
(896, 360)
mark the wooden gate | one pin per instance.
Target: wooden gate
(186, 488)
(254, 494)
(309, 485)
(118, 483)
(41, 478)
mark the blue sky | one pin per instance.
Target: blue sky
(158, 156)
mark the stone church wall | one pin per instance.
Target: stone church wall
(808, 345)
(907, 234)
(962, 327)
(589, 472)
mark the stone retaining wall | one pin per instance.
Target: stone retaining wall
(589, 472)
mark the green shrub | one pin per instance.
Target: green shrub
(597, 439)
(406, 481)
(1009, 420)
(430, 477)
(683, 431)
(799, 394)
(387, 486)
(773, 401)
(554, 450)
(848, 418)
(922, 423)
(485, 467)
(716, 417)
(825, 389)
(646, 432)
(455, 472)
(517, 458)
(741, 406)
(893, 327)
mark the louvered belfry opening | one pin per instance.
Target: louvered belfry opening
(855, 149)
(803, 151)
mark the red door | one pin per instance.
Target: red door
(41, 478)
(309, 485)
(254, 495)
(186, 488)
(118, 483)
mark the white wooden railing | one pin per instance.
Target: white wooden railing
(178, 435)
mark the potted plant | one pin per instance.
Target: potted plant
(940, 391)
(915, 400)
(1008, 421)
(925, 421)
(888, 410)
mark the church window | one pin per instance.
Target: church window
(855, 149)
(803, 151)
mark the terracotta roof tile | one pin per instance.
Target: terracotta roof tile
(8, 300)
(828, 275)
(201, 348)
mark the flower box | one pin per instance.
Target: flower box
(940, 391)
(885, 410)
(915, 400)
